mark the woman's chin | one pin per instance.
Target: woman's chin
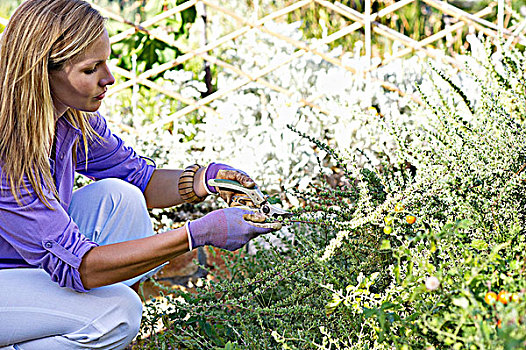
(91, 108)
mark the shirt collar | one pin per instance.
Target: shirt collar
(63, 123)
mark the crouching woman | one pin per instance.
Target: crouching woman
(68, 258)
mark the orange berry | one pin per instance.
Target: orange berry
(388, 230)
(490, 298)
(499, 323)
(410, 219)
(503, 297)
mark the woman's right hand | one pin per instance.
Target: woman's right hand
(226, 172)
(229, 228)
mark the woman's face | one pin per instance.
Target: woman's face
(83, 82)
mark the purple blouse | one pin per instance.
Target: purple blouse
(33, 235)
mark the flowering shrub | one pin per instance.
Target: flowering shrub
(251, 130)
(423, 249)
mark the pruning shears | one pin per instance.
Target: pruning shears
(253, 197)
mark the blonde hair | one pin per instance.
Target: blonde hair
(41, 36)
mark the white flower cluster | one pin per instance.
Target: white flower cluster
(250, 130)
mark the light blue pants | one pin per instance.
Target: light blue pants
(37, 314)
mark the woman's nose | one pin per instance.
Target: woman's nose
(108, 78)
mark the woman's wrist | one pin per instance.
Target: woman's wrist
(200, 187)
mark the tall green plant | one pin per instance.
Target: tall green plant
(403, 255)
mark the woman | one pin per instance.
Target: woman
(64, 254)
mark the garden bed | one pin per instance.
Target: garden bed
(421, 248)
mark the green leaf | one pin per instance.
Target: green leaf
(369, 312)
(386, 245)
(464, 224)
(479, 244)
(230, 346)
(387, 305)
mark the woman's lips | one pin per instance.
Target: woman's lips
(101, 96)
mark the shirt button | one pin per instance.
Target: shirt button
(48, 245)
(61, 156)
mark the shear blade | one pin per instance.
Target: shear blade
(274, 212)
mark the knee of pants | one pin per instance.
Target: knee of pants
(123, 322)
(118, 189)
(110, 190)
(111, 316)
(132, 310)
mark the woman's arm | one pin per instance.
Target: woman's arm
(118, 262)
(162, 189)
(229, 228)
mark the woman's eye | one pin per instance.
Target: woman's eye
(91, 71)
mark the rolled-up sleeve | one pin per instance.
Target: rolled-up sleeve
(44, 237)
(110, 157)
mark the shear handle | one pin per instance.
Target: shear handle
(254, 194)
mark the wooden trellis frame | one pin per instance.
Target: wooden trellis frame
(357, 20)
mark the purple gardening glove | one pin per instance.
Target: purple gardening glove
(223, 171)
(229, 228)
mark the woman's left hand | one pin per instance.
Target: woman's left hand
(226, 172)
